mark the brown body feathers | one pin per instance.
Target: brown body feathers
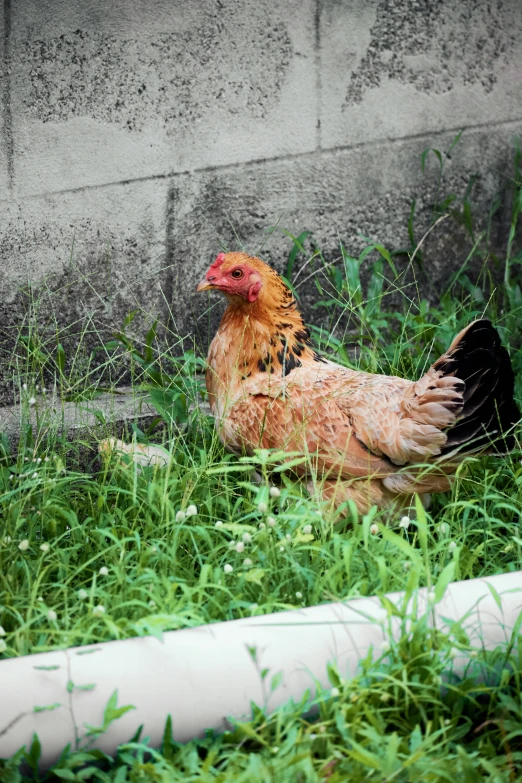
(366, 435)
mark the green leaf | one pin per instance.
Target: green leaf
(422, 524)
(32, 756)
(447, 575)
(111, 713)
(255, 575)
(60, 357)
(333, 675)
(276, 681)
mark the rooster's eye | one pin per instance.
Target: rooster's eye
(237, 273)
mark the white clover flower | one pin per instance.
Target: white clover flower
(288, 537)
(307, 530)
(24, 386)
(3, 646)
(261, 526)
(275, 750)
(247, 562)
(98, 610)
(51, 615)
(2, 632)
(239, 547)
(385, 697)
(281, 549)
(312, 736)
(7, 540)
(154, 550)
(406, 565)
(298, 595)
(227, 568)
(44, 547)
(152, 604)
(405, 522)
(452, 546)
(275, 492)
(35, 475)
(271, 521)
(191, 511)
(262, 507)
(38, 460)
(83, 594)
(444, 528)
(180, 516)
(32, 401)
(385, 646)
(472, 653)
(335, 692)
(219, 523)
(12, 477)
(104, 571)
(374, 529)
(40, 599)
(247, 538)
(23, 545)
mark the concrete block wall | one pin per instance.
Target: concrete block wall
(138, 139)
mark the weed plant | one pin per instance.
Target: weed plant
(120, 550)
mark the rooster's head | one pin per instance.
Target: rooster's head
(245, 279)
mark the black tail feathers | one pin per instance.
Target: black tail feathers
(477, 357)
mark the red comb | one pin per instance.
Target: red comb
(219, 260)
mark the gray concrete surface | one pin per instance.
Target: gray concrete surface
(92, 419)
(391, 69)
(138, 139)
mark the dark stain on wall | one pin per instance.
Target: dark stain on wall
(434, 46)
(223, 65)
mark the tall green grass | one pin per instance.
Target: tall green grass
(93, 550)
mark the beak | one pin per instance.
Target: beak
(204, 285)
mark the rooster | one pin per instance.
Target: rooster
(372, 439)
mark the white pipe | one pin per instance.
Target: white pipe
(203, 675)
